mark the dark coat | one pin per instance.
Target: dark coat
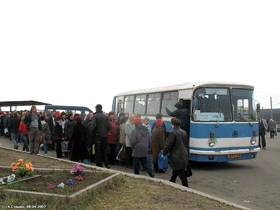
(68, 129)
(177, 144)
(158, 141)
(57, 134)
(50, 123)
(78, 143)
(140, 141)
(13, 124)
(100, 124)
(27, 122)
(90, 139)
(182, 114)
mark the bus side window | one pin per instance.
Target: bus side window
(169, 99)
(153, 104)
(140, 104)
(128, 104)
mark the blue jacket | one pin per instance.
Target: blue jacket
(182, 114)
(6, 122)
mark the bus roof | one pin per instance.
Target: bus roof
(186, 86)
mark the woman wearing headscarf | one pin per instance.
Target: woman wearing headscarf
(158, 142)
(78, 141)
(112, 138)
(177, 145)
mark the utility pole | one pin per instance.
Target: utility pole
(271, 115)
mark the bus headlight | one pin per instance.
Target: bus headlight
(253, 140)
(212, 142)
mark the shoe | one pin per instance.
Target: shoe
(186, 185)
(46, 155)
(264, 148)
(152, 175)
(108, 166)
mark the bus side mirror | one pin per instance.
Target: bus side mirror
(258, 108)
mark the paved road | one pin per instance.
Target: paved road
(252, 183)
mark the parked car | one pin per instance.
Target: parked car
(278, 127)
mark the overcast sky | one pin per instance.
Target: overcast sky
(84, 52)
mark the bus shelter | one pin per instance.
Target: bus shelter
(21, 103)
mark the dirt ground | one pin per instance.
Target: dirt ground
(55, 178)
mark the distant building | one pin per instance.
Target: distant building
(266, 114)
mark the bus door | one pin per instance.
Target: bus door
(187, 104)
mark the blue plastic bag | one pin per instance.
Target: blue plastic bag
(162, 162)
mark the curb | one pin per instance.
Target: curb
(147, 178)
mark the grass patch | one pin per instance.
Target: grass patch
(121, 193)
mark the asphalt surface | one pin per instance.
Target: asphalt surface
(253, 183)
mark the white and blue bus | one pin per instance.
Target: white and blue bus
(223, 116)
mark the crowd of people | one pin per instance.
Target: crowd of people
(99, 137)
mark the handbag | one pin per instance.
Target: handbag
(42, 139)
(188, 171)
(162, 162)
(93, 149)
(6, 131)
(121, 154)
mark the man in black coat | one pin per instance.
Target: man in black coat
(100, 126)
(262, 132)
(13, 125)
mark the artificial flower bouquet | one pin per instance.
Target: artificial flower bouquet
(77, 169)
(22, 169)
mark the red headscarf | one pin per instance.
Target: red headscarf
(137, 121)
(159, 122)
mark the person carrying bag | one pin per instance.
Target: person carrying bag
(121, 154)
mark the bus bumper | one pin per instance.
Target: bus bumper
(223, 155)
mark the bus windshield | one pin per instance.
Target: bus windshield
(244, 105)
(212, 104)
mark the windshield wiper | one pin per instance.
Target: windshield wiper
(217, 125)
(245, 118)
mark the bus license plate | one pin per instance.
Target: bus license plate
(234, 156)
